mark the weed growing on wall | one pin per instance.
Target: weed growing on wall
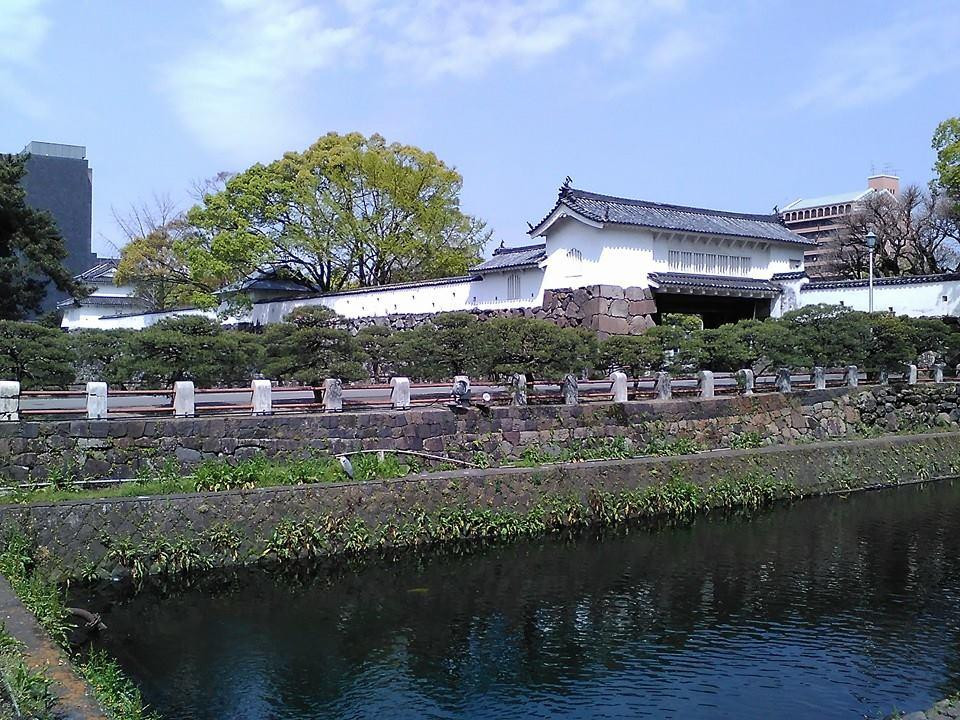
(114, 689)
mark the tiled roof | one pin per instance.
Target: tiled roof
(624, 211)
(839, 199)
(506, 258)
(793, 275)
(881, 282)
(101, 300)
(667, 280)
(103, 271)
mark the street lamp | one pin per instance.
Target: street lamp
(871, 244)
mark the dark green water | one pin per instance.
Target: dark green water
(831, 608)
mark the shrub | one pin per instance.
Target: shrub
(309, 346)
(36, 356)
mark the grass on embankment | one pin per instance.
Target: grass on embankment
(261, 472)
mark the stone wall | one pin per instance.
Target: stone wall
(605, 309)
(72, 534)
(124, 448)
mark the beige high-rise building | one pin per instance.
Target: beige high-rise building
(818, 219)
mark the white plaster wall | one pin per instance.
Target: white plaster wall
(127, 322)
(920, 300)
(613, 255)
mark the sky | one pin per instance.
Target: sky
(734, 105)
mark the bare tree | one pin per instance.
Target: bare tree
(917, 234)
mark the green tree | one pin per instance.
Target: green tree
(733, 346)
(633, 354)
(102, 355)
(891, 343)
(349, 211)
(446, 346)
(309, 347)
(375, 344)
(191, 348)
(946, 143)
(534, 347)
(824, 335)
(31, 248)
(36, 356)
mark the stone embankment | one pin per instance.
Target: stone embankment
(75, 535)
(944, 710)
(30, 451)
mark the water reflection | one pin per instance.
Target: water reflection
(830, 608)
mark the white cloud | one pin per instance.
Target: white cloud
(882, 64)
(241, 86)
(23, 28)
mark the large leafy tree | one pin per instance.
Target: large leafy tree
(309, 347)
(946, 142)
(31, 248)
(348, 211)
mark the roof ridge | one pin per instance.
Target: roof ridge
(586, 194)
(520, 248)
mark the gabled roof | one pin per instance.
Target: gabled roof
(839, 199)
(712, 283)
(103, 272)
(507, 258)
(625, 211)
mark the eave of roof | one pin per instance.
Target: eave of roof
(508, 258)
(880, 282)
(611, 209)
(713, 283)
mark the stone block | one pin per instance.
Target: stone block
(612, 325)
(642, 307)
(595, 306)
(636, 293)
(611, 292)
(639, 324)
(619, 308)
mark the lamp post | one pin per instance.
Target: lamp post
(871, 244)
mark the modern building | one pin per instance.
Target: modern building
(59, 179)
(819, 218)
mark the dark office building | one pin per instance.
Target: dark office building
(59, 180)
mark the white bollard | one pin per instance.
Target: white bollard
(783, 381)
(938, 372)
(911, 374)
(518, 387)
(705, 383)
(745, 379)
(262, 397)
(400, 393)
(96, 400)
(819, 378)
(852, 376)
(618, 386)
(332, 395)
(570, 389)
(663, 386)
(9, 400)
(184, 399)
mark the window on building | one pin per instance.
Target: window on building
(513, 286)
(708, 263)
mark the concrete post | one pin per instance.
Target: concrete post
(461, 389)
(956, 372)
(9, 400)
(705, 383)
(852, 376)
(518, 388)
(332, 395)
(938, 372)
(745, 380)
(184, 399)
(819, 378)
(618, 386)
(96, 400)
(883, 377)
(911, 374)
(784, 383)
(570, 389)
(262, 397)
(663, 387)
(400, 393)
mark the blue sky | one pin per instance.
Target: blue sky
(724, 104)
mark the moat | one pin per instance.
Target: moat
(830, 608)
